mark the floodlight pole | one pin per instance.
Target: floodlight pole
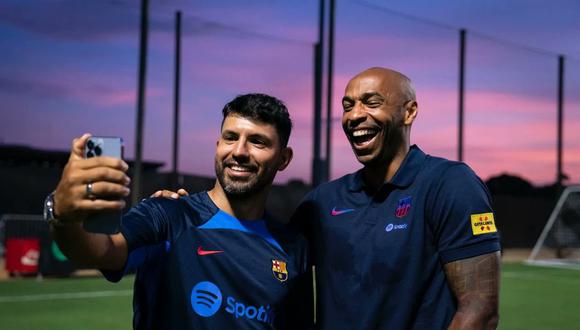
(462, 34)
(316, 178)
(560, 173)
(330, 74)
(136, 191)
(176, 90)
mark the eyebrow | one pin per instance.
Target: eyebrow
(364, 96)
(346, 99)
(259, 135)
(368, 95)
(228, 131)
(254, 135)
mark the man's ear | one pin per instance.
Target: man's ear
(287, 155)
(411, 110)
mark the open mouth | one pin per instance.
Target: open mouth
(361, 137)
(238, 170)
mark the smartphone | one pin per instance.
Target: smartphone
(105, 222)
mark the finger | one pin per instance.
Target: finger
(97, 174)
(108, 189)
(78, 146)
(99, 205)
(167, 194)
(182, 192)
(156, 194)
(103, 161)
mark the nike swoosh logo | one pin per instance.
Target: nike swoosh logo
(202, 252)
(336, 212)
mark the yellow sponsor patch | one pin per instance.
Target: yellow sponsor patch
(483, 223)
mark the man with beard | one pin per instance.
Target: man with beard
(407, 242)
(210, 260)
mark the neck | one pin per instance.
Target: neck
(244, 208)
(377, 174)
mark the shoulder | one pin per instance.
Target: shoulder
(201, 204)
(196, 206)
(343, 181)
(320, 199)
(332, 187)
(160, 204)
(450, 181)
(286, 235)
(440, 164)
(452, 185)
(445, 171)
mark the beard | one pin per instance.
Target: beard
(392, 143)
(243, 188)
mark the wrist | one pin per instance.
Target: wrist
(63, 226)
(53, 216)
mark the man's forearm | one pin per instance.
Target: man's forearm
(91, 249)
(475, 284)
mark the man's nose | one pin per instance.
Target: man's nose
(241, 149)
(357, 114)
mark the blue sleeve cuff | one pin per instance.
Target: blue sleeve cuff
(135, 259)
(470, 251)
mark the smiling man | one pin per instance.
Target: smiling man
(210, 260)
(407, 242)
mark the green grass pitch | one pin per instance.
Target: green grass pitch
(531, 298)
(539, 298)
(63, 304)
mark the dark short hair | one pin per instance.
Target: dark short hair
(263, 108)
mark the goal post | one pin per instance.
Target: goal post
(559, 242)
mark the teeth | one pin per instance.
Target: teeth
(239, 168)
(363, 132)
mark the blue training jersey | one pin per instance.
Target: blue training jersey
(379, 256)
(201, 268)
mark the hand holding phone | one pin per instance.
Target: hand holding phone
(107, 222)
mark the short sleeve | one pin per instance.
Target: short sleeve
(151, 222)
(461, 216)
(134, 260)
(145, 227)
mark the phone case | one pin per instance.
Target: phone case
(108, 222)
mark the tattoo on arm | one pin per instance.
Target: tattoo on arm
(475, 284)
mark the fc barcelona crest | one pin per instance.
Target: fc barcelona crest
(403, 207)
(279, 270)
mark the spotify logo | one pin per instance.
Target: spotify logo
(206, 299)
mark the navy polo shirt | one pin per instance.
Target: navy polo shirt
(201, 268)
(379, 256)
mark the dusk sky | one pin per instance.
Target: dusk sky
(69, 67)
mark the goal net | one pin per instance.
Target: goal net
(559, 243)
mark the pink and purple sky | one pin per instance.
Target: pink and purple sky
(69, 67)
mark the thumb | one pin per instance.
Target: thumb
(78, 147)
